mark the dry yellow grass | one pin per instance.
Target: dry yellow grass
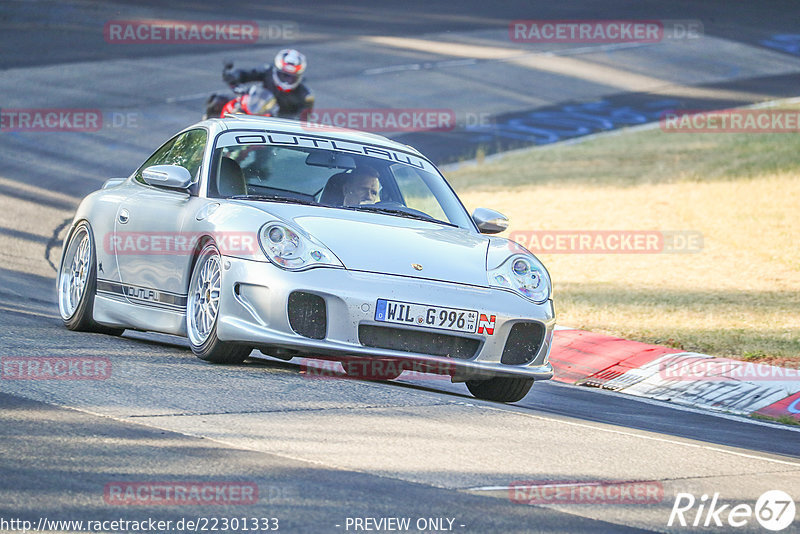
(739, 297)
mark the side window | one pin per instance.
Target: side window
(185, 150)
(416, 193)
(159, 157)
(188, 150)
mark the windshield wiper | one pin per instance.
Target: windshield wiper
(276, 198)
(400, 213)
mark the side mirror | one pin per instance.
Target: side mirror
(171, 176)
(489, 221)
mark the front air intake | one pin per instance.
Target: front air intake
(523, 343)
(307, 314)
(418, 341)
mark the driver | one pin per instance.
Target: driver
(283, 79)
(361, 187)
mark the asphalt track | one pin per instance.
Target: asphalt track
(321, 451)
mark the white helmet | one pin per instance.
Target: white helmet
(290, 65)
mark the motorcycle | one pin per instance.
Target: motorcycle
(249, 100)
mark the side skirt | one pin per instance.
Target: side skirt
(115, 311)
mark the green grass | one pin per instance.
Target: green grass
(784, 419)
(644, 157)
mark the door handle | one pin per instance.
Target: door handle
(123, 216)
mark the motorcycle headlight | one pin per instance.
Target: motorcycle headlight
(289, 249)
(523, 274)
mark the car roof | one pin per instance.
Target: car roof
(289, 126)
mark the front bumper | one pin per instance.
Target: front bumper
(254, 311)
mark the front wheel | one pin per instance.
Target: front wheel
(214, 106)
(202, 311)
(77, 283)
(500, 388)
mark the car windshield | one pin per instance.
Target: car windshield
(338, 174)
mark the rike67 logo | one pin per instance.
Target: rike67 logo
(774, 510)
(486, 324)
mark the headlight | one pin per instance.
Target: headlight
(523, 274)
(289, 249)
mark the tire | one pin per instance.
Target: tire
(372, 369)
(76, 283)
(202, 311)
(500, 388)
(214, 105)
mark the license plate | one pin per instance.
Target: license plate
(425, 316)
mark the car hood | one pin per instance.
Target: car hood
(388, 244)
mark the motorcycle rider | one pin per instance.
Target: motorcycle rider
(283, 79)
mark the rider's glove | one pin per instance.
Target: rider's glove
(231, 77)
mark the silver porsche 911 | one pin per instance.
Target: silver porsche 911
(293, 239)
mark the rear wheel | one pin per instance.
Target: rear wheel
(500, 388)
(77, 283)
(202, 311)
